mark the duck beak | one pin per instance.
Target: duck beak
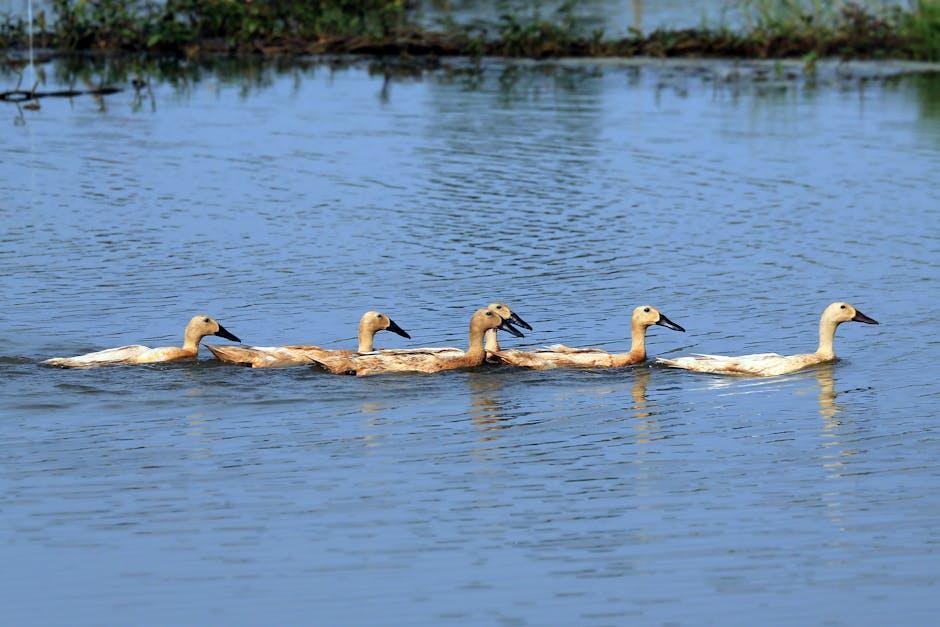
(669, 324)
(508, 328)
(517, 320)
(394, 328)
(860, 317)
(223, 332)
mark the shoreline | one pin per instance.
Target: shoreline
(829, 66)
(680, 44)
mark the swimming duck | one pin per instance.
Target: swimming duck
(300, 354)
(561, 356)
(771, 364)
(198, 328)
(423, 360)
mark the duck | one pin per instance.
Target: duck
(422, 360)
(561, 356)
(772, 364)
(197, 328)
(300, 354)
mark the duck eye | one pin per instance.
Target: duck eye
(489, 313)
(205, 320)
(379, 316)
(646, 309)
(499, 306)
(843, 307)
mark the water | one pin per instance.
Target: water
(287, 200)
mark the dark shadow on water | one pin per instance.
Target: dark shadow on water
(104, 75)
(510, 82)
(928, 98)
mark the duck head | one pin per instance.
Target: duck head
(646, 316)
(504, 312)
(377, 321)
(203, 325)
(840, 312)
(485, 319)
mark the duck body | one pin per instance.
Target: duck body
(757, 365)
(772, 364)
(123, 355)
(304, 354)
(561, 356)
(418, 360)
(271, 356)
(198, 327)
(421, 360)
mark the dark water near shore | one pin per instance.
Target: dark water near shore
(287, 202)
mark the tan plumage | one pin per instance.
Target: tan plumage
(300, 354)
(198, 328)
(772, 364)
(422, 360)
(561, 356)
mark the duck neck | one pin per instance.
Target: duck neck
(490, 341)
(366, 336)
(191, 339)
(827, 333)
(638, 340)
(475, 351)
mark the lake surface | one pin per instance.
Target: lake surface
(286, 200)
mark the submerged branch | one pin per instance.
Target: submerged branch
(22, 95)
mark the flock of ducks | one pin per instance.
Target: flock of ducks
(483, 348)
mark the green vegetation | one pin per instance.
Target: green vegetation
(214, 25)
(920, 28)
(808, 29)
(850, 29)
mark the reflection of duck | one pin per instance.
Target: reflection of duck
(640, 382)
(198, 328)
(771, 364)
(561, 356)
(645, 426)
(485, 410)
(299, 354)
(835, 456)
(422, 360)
(828, 408)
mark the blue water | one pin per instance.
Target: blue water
(286, 201)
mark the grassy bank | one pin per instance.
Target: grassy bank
(771, 29)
